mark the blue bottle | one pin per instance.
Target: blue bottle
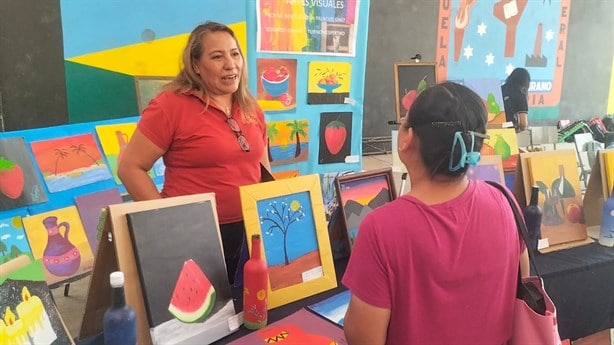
(533, 218)
(606, 233)
(119, 322)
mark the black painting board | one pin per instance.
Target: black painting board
(163, 239)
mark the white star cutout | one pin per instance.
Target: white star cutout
(490, 59)
(468, 51)
(509, 68)
(482, 29)
(549, 35)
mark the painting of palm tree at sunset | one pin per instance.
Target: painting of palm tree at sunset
(70, 162)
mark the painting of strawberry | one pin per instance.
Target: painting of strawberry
(412, 94)
(334, 136)
(11, 178)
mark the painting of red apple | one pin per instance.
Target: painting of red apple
(410, 79)
(335, 137)
(19, 184)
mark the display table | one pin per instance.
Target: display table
(580, 282)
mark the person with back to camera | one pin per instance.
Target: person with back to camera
(515, 91)
(210, 132)
(438, 265)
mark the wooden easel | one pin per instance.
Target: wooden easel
(115, 252)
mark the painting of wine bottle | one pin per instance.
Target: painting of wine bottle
(556, 175)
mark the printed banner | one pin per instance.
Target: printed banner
(325, 27)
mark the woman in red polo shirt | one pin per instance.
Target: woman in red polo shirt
(209, 130)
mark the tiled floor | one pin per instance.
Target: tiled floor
(71, 307)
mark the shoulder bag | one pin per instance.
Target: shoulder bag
(534, 313)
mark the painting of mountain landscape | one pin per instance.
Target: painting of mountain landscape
(360, 193)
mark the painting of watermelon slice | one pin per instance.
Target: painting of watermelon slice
(194, 296)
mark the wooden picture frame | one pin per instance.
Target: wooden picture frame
(359, 193)
(407, 75)
(147, 87)
(297, 247)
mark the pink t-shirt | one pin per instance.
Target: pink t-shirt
(447, 272)
(202, 153)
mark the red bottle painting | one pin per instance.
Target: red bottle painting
(255, 288)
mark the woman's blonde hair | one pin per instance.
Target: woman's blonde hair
(188, 80)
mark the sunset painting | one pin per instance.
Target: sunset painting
(360, 193)
(70, 162)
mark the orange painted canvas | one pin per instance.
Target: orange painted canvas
(556, 175)
(70, 162)
(58, 240)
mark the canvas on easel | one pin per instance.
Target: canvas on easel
(116, 252)
(178, 252)
(490, 168)
(598, 189)
(556, 175)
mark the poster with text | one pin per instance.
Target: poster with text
(326, 27)
(477, 39)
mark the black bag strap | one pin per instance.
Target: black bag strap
(520, 224)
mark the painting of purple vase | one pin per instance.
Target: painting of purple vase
(60, 257)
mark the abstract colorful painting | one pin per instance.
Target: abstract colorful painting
(489, 89)
(288, 141)
(113, 139)
(608, 169)
(335, 137)
(19, 184)
(489, 168)
(360, 193)
(28, 315)
(289, 215)
(15, 252)
(58, 240)
(334, 307)
(276, 84)
(307, 27)
(491, 38)
(90, 207)
(300, 327)
(328, 82)
(502, 142)
(556, 175)
(70, 162)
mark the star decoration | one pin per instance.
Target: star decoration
(490, 59)
(508, 69)
(549, 35)
(468, 51)
(482, 29)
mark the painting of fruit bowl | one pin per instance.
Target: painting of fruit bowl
(329, 87)
(275, 81)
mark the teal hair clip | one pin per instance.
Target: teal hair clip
(471, 157)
